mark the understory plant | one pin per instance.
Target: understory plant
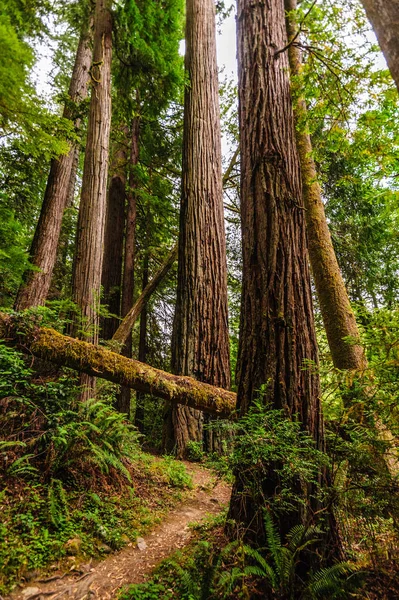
(74, 481)
(216, 568)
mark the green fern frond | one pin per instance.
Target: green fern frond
(272, 537)
(329, 580)
(4, 445)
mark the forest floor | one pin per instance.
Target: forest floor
(102, 579)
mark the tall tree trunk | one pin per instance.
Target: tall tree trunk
(277, 334)
(384, 18)
(123, 399)
(338, 317)
(200, 332)
(113, 242)
(86, 284)
(43, 252)
(139, 416)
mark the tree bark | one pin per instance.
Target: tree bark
(200, 345)
(384, 18)
(86, 283)
(65, 351)
(338, 317)
(43, 252)
(277, 334)
(128, 322)
(113, 242)
(123, 399)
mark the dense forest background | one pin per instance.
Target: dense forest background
(164, 302)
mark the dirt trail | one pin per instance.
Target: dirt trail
(102, 580)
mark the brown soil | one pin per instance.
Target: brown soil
(102, 580)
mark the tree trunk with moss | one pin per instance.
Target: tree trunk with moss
(87, 269)
(277, 335)
(384, 18)
(338, 317)
(200, 345)
(43, 252)
(51, 346)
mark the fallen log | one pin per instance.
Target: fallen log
(52, 346)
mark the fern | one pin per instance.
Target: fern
(272, 537)
(22, 467)
(330, 580)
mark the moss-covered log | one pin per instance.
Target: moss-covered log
(62, 350)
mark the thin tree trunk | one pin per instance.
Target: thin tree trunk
(128, 322)
(384, 18)
(139, 416)
(338, 317)
(277, 334)
(113, 242)
(43, 252)
(86, 284)
(123, 399)
(200, 345)
(62, 350)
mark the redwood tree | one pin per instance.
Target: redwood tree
(87, 267)
(200, 345)
(43, 252)
(277, 333)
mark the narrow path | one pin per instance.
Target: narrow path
(102, 580)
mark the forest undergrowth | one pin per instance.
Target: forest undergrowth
(76, 484)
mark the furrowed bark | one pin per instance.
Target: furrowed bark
(277, 333)
(338, 317)
(87, 269)
(200, 345)
(384, 18)
(126, 326)
(43, 252)
(97, 361)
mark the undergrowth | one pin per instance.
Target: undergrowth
(74, 481)
(214, 567)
